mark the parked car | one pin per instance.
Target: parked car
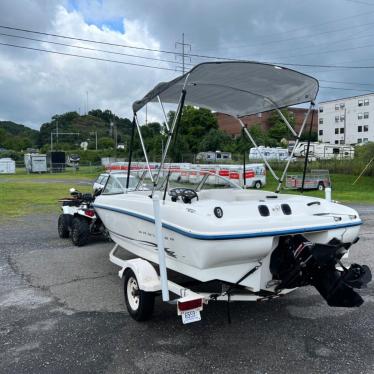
(121, 177)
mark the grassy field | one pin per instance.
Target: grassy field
(23, 193)
(343, 189)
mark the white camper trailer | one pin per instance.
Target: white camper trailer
(35, 163)
(324, 151)
(278, 153)
(7, 166)
(213, 156)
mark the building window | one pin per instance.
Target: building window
(321, 109)
(359, 116)
(320, 132)
(336, 131)
(342, 142)
(366, 102)
(366, 115)
(366, 128)
(342, 118)
(336, 118)
(360, 103)
(359, 140)
(336, 141)
(342, 130)
(321, 121)
(365, 140)
(359, 128)
(336, 106)
(259, 115)
(342, 105)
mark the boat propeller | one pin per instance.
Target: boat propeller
(297, 262)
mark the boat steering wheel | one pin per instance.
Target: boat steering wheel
(187, 194)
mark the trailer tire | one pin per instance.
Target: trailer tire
(80, 231)
(321, 186)
(257, 185)
(139, 304)
(63, 226)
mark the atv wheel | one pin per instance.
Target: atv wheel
(63, 226)
(80, 231)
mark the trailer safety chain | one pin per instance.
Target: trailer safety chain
(231, 288)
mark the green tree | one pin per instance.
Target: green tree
(278, 129)
(105, 143)
(214, 140)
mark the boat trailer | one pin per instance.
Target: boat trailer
(146, 283)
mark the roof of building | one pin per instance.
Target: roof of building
(346, 98)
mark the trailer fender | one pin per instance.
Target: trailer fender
(145, 273)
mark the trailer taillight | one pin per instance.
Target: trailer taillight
(190, 304)
(89, 213)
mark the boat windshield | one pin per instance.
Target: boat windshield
(196, 179)
(116, 183)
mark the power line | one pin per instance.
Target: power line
(356, 83)
(88, 48)
(316, 34)
(86, 40)
(187, 54)
(331, 50)
(345, 89)
(328, 43)
(194, 55)
(360, 2)
(298, 29)
(86, 57)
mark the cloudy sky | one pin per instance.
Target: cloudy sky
(35, 85)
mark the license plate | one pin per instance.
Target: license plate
(191, 316)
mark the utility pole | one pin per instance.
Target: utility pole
(92, 133)
(57, 130)
(183, 45)
(86, 102)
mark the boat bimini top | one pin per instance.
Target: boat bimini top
(236, 88)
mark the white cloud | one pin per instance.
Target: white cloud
(36, 85)
(39, 85)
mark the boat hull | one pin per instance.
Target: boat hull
(208, 256)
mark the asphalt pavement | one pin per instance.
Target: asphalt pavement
(62, 311)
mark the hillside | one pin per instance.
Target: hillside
(15, 136)
(85, 128)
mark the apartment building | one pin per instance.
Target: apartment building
(346, 121)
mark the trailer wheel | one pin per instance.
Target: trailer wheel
(80, 231)
(258, 185)
(63, 226)
(321, 186)
(139, 303)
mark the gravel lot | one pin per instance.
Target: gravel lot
(62, 311)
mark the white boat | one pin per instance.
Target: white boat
(259, 242)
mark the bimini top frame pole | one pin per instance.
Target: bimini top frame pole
(281, 179)
(294, 147)
(258, 149)
(176, 119)
(143, 146)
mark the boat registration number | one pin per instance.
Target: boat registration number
(191, 316)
